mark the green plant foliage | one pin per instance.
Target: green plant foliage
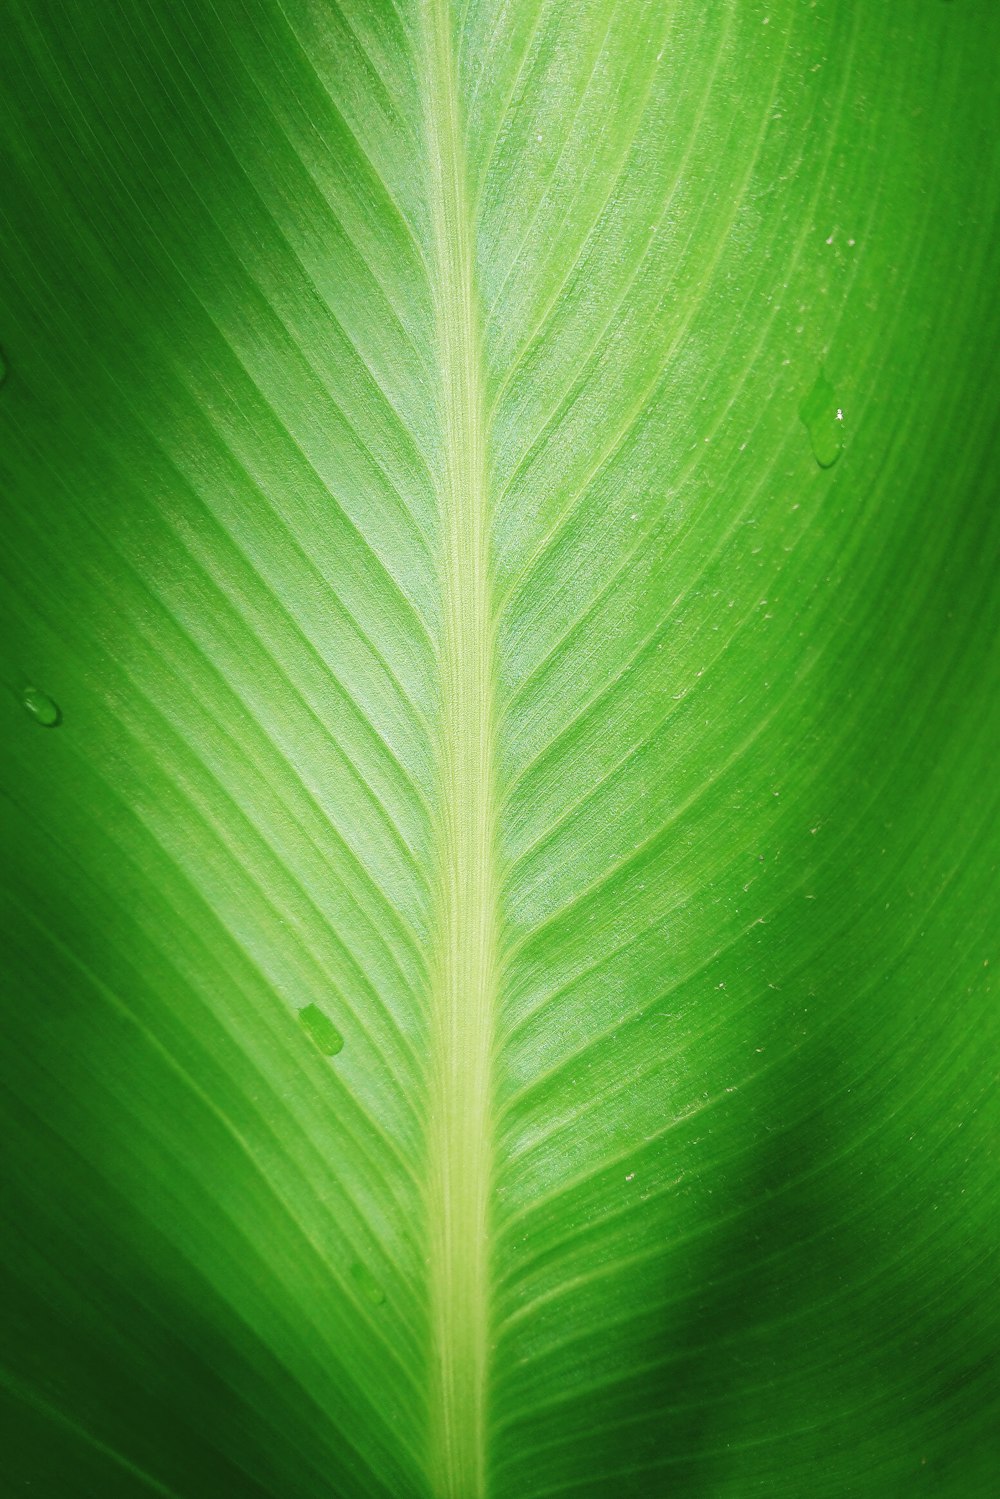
(499, 752)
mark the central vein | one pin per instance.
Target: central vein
(465, 951)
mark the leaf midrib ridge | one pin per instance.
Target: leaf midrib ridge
(464, 951)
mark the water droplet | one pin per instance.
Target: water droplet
(42, 708)
(3, 367)
(823, 419)
(322, 1031)
(363, 1277)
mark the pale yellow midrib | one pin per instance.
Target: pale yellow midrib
(465, 944)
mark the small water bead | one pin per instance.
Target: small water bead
(363, 1277)
(321, 1030)
(823, 419)
(43, 709)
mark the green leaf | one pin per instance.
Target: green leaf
(499, 756)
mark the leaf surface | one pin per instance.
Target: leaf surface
(499, 751)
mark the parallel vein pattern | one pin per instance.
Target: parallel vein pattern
(408, 504)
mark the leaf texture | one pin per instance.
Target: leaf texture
(499, 752)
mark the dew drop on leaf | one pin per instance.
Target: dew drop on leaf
(42, 708)
(321, 1030)
(363, 1277)
(823, 419)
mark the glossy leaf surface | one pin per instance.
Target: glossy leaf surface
(499, 752)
